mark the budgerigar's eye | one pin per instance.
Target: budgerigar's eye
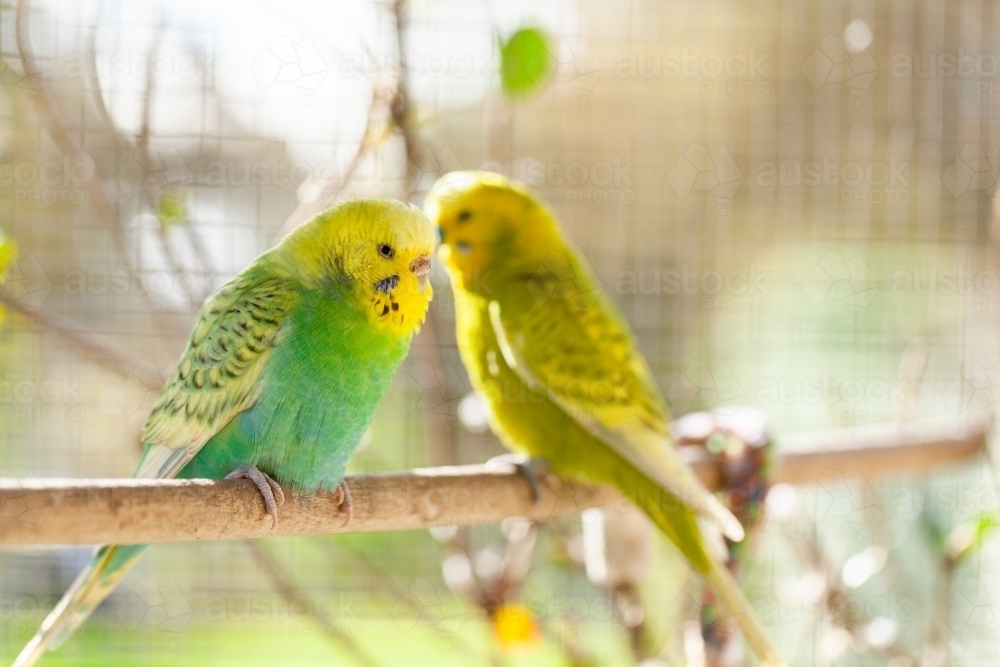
(385, 250)
(464, 215)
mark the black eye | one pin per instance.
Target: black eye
(464, 215)
(385, 250)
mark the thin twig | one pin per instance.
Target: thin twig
(71, 149)
(92, 345)
(387, 585)
(401, 108)
(371, 138)
(438, 435)
(93, 76)
(298, 599)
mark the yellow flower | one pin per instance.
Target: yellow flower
(516, 630)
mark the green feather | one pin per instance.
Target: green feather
(283, 371)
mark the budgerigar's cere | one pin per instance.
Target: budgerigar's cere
(282, 373)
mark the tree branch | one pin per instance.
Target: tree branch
(90, 344)
(99, 201)
(298, 598)
(37, 512)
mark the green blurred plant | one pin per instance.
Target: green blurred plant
(526, 63)
(171, 209)
(8, 255)
(968, 537)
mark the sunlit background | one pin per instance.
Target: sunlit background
(791, 202)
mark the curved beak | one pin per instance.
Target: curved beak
(421, 266)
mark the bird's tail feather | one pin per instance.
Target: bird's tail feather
(725, 587)
(106, 569)
(679, 523)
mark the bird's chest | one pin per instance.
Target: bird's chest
(328, 375)
(523, 418)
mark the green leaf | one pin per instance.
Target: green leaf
(8, 253)
(171, 209)
(525, 62)
(967, 538)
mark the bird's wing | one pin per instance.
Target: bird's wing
(218, 375)
(563, 337)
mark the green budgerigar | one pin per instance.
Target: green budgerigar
(282, 373)
(560, 371)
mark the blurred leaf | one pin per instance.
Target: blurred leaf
(171, 209)
(525, 63)
(8, 254)
(967, 538)
(936, 532)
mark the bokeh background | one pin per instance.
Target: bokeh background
(791, 202)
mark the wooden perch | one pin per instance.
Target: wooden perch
(62, 511)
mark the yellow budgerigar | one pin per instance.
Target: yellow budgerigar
(560, 371)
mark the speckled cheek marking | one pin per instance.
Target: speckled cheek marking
(384, 305)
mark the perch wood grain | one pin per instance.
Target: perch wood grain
(35, 512)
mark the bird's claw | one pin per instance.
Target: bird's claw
(269, 489)
(343, 497)
(529, 468)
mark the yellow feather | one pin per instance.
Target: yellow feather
(560, 369)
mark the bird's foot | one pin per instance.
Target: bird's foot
(529, 468)
(269, 489)
(343, 497)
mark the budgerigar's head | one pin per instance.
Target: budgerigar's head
(488, 224)
(376, 252)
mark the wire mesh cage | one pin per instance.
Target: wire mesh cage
(791, 203)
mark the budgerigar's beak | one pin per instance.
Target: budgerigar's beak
(421, 268)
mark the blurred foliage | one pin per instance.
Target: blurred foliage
(8, 255)
(171, 209)
(525, 63)
(966, 539)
